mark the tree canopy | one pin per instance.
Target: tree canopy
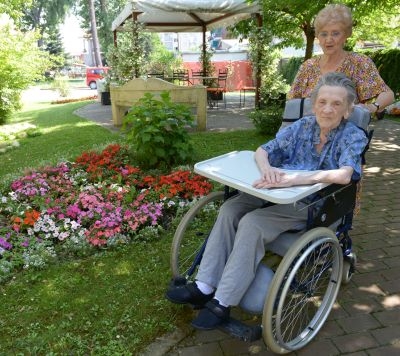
(105, 13)
(292, 20)
(45, 16)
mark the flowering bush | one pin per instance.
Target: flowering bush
(99, 200)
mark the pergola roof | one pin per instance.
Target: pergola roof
(185, 15)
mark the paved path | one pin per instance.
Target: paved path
(234, 117)
(366, 318)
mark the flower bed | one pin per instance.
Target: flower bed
(72, 100)
(97, 201)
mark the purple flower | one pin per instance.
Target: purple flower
(5, 244)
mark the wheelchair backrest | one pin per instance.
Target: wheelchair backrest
(298, 108)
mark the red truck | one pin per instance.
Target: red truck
(94, 73)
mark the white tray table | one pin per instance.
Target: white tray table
(239, 170)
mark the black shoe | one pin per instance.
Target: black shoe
(213, 315)
(188, 293)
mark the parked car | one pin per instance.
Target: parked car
(93, 74)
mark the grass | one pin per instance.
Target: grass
(63, 136)
(394, 118)
(108, 303)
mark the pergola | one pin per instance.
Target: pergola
(187, 16)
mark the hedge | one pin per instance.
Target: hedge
(387, 61)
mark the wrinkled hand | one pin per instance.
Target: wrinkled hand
(274, 178)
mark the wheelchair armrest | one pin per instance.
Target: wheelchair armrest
(338, 200)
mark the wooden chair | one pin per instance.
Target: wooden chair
(218, 93)
(197, 76)
(244, 90)
(181, 76)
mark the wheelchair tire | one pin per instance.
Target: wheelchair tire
(303, 291)
(349, 265)
(191, 234)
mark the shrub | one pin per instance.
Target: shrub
(388, 63)
(267, 121)
(157, 130)
(62, 86)
(21, 62)
(289, 68)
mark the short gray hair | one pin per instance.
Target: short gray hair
(334, 14)
(336, 79)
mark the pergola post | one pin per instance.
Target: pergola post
(258, 70)
(204, 48)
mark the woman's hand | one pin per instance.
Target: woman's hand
(371, 108)
(273, 178)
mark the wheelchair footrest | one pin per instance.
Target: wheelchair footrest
(241, 331)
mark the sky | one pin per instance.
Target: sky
(72, 35)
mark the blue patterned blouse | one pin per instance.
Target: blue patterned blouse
(294, 147)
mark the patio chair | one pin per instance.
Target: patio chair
(181, 76)
(218, 93)
(243, 91)
(197, 76)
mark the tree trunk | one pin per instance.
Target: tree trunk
(95, 38)
(310, 36)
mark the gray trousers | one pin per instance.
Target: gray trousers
(237, 242)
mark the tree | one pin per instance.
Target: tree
(13, 8)
(105, 13)
(379, 23)
(44, 16)
(93, 31)
(292, 20)
(21, 62)
(53, 43)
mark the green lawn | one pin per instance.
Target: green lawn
(108, 303)
(63, 136)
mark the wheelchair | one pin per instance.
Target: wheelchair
(296, 299)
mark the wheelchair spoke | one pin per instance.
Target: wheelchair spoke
(306, 293)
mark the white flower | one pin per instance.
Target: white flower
(74, 225)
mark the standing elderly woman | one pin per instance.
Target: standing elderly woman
(333, 25)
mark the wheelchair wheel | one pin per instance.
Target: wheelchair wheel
(191, 233)
(349, 265)
(303, 291)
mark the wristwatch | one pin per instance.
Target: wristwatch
(376, 105)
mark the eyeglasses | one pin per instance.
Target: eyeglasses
(334, 34)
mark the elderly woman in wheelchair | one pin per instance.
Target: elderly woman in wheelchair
(329, 148)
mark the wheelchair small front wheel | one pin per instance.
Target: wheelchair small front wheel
(191, 234)
(349, 266)
(303, 291)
